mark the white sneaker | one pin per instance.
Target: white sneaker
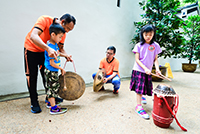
(140, 111)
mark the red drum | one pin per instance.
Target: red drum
(161, 115)
(165, 106)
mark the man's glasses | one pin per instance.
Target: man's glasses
(109, 53)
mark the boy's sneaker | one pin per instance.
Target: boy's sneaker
(58, 102)
(49, 105)
(115, 91)
(141, 112)
(58, 110)
(144, 101)
(35, 108)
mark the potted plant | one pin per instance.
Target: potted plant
(190, 49)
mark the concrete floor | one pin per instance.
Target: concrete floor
(105, 112)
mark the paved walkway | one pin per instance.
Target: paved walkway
(105, 112)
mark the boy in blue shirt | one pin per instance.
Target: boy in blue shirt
(52, 66)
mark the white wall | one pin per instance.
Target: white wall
(100, 23)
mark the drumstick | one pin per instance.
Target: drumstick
(64, 76)
(166, 77)
(163, 77)
(157, 76)
(65, 88)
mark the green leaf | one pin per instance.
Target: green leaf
(161, 13)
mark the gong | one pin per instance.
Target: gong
(72, 86)
(98, 81)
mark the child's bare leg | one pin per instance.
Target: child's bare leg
(52, 101)
(139, 98)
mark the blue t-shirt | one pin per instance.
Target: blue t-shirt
(47, 58)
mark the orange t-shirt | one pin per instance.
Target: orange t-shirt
(111, 67)
(43, 24)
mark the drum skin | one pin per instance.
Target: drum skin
(75, 86)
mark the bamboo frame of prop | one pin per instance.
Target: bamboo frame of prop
(161, 76)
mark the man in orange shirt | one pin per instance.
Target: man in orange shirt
(34, 47)
(111, 66)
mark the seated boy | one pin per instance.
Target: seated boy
(111, 66)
